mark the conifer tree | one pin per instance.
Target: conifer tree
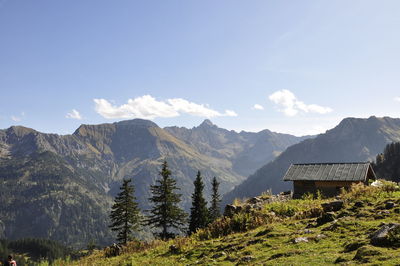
(166, 214)
(198, 211)
(215, 201)
(125, 214)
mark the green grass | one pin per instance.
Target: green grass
(270, 241)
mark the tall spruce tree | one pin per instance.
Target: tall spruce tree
(125, 213)
(198, 211)
(215, 201)
(166, 214)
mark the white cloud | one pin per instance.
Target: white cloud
(397, 99)
(257, 107)
(147, 107)
(184, 106)
(229, 113)
(141, 107)
(291, 106)
(74, 114)
(16, 118)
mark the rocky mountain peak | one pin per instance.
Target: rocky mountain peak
(137, 122)
(19, 131)
(207, 124)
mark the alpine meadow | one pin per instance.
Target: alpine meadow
(199, 132)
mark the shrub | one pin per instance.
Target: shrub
(282, 209)
(238, 201)
(138, 246)
(311, 212)
(308, 196)
(362, 192)
(359, 191)
(240, 222)
(266, 194)
(184, 243)
(389, 186)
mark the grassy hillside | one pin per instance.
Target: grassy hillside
(292, 232)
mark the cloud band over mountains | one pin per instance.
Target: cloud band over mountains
(288, 103)
(147, 107)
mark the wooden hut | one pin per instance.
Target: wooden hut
(328, 178)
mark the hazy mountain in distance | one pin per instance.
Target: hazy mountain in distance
(353, 140)
(247, 151)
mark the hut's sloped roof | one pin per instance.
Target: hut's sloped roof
(329, 172)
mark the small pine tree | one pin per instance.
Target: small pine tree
(166, 214)
(198, 211)
(215, 211)
(125, 214)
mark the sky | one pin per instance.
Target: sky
(295, 67)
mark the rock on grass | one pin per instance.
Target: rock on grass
(387, 235)
(364, 254)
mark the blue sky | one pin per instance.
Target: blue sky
(289, 66)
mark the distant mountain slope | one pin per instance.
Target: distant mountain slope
(43, 196)
(352, 140)
(61, 187)
(247, 151)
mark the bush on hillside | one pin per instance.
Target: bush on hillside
(363, 192)
(240, 222)
(282, 209)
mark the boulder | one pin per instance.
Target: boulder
(113, 250)
(218, 255)
(249, 207)
(307, 231)
(339, 260)
(326, 217)
(230, 258)
(255, 241)
(332, 227)
(333, 206)
(319, 237)
(389, 205)
(353, 246)
(230, 210)
(358, 204)
(365, 253)
(300, 239)
(381, 214)
(174, 249)
(247, 259)
(384, 212)
(386, 235)
(255, 200)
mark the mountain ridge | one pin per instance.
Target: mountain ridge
(353, 139)
(46, 170)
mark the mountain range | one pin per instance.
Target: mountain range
(62, 187)
(353, 140)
